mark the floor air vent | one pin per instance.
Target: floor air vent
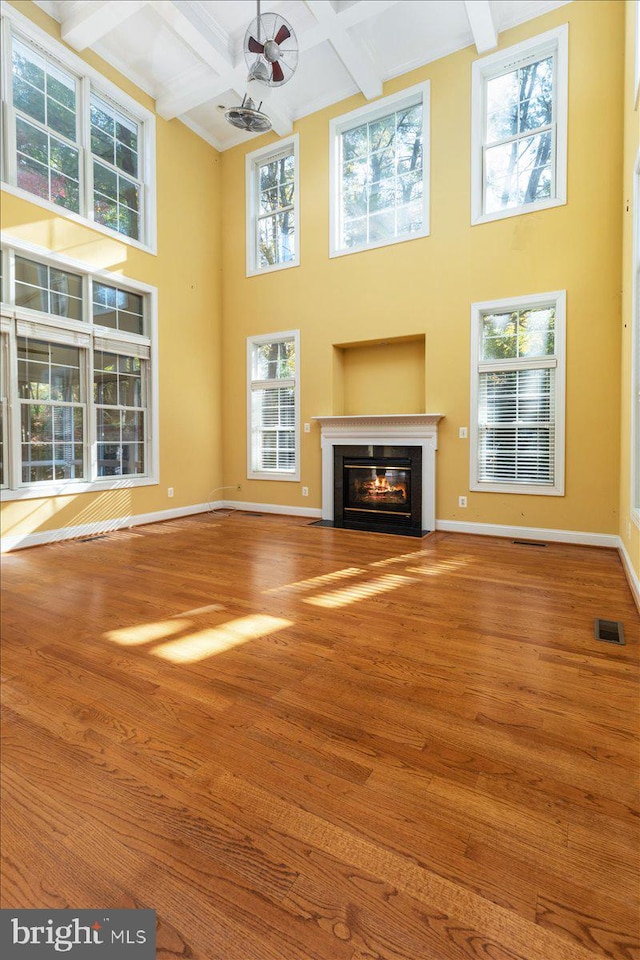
(611, 631)
(529, 543)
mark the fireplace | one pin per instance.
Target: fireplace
(407, 444)
(378, 488)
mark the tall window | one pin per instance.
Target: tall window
(273, 406)
(379, 173)
(74, 140)
(273, 222)
(78, 402)
(517, 415)
(520, 128)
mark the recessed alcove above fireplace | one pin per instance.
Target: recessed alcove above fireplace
(379, 376)
(378, 472)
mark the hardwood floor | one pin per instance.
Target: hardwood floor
(299, 743)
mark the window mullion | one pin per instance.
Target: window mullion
(523, 135)
(14, 413)
(85, 165)
(90, 426)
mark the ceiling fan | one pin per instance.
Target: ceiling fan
(271, 54)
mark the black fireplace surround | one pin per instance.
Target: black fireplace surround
(378, 488)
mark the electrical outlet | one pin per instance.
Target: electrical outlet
(307, 428)
(169, 491)
(462, 501)
(462, 433)
(305, 491)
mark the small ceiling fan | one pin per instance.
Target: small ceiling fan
(270, 49)
(271, 54)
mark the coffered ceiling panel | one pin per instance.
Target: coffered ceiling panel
(188, 54)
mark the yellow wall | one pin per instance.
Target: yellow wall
(628, 530)
(425, 286)
(187, 271)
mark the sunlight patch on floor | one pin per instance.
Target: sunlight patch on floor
(147, 632)
(199, 611)
(439, 567)
(301, 586)
(402, 558)
(359, 591)
(208, 643)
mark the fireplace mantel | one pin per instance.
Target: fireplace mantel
(418, 429)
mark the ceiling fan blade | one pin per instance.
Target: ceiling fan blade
(255, 47)
(282, 34)
(277, 73)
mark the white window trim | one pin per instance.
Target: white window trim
(257, 341)
(554, 41)
(254, 160)
(635, 350)
(337, 126)
(72, 487)
(558, 299)
(101, 86)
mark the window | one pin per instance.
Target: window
(74, 141)
(119, 391)
(517, 396)
(273, 406)
(52, 399)
(379, 173)
(519, 128)
(79, 406)
(273, 221)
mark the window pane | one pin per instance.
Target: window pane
(536, 333)
(274, 361)
(105, 181)
(61, 120)
(27, 64)
(106, 211)
(536, 95)
(382, 195)
(355, 142)
(61, 87)
(381, 173)
(526, 333)
(32, 141)
(518, 172)
(28, 99)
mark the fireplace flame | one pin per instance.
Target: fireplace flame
(378, 488)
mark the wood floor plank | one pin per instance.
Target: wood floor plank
(299, 743)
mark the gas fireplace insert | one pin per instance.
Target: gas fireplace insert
(378, 488)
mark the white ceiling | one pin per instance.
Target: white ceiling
(187, 54)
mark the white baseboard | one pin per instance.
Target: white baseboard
(101, 526)
(632, 576)
(530, 533)
(314, 512)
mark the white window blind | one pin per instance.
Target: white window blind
(274, 420)
(516, 426)
(517, 440)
